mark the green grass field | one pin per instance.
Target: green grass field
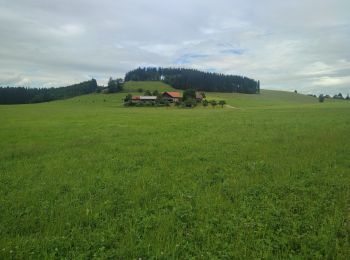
(89, 178)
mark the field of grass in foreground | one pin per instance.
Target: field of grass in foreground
(87, 177)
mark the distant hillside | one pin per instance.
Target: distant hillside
(141, 86)
(181, 78)
(21, 95)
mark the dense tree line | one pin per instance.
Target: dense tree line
(22, 95)
(115, 85)
(181, 78)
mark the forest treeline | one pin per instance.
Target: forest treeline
(22, 95)
(182, 78)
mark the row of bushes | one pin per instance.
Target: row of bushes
(163, 103)
(189, 103)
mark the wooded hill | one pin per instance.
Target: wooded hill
(21, 95)
(182, 78)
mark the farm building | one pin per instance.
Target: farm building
(172, 96)
(144, 98)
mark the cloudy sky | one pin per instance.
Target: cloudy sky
(299, 44)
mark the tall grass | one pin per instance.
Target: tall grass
(87, 177)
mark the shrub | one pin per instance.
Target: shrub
(213, 103)
(129, 103)
(189, 94)
(222, 103)
(128, 97)
(321, 98)
(190, 102)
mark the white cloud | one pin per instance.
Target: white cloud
(332, 81)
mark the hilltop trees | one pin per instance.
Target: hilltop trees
(21, 95)
(114, 85)
(181, 78)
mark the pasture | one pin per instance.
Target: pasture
(89, 178)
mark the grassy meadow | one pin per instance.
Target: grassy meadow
(266, 177)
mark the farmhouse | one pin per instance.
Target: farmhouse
(172, 96)
(144, 98)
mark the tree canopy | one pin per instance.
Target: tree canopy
(189, 94)
(182, 78)
(115, 85)
(22, 95)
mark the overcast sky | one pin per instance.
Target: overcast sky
(297, 44)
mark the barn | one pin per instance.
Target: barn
(172, 96)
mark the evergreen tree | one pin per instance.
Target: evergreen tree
(321, 98)
(200, 81)
(189, 94)
(21, 95)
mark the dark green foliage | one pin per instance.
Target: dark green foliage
(21, 95)
(181, 78)
(156, 93)
(129, 103)
(147, 104)
(213, 103)
(148, 93)
(222, 103)
(321, 98)
(140, 90)
(347, 97)
(339, 96)
(189, 94)
(190, 102)
(205, 103)
(128, 98)
(115, 85)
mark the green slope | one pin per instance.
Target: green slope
(133, 86)
(266, 99)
